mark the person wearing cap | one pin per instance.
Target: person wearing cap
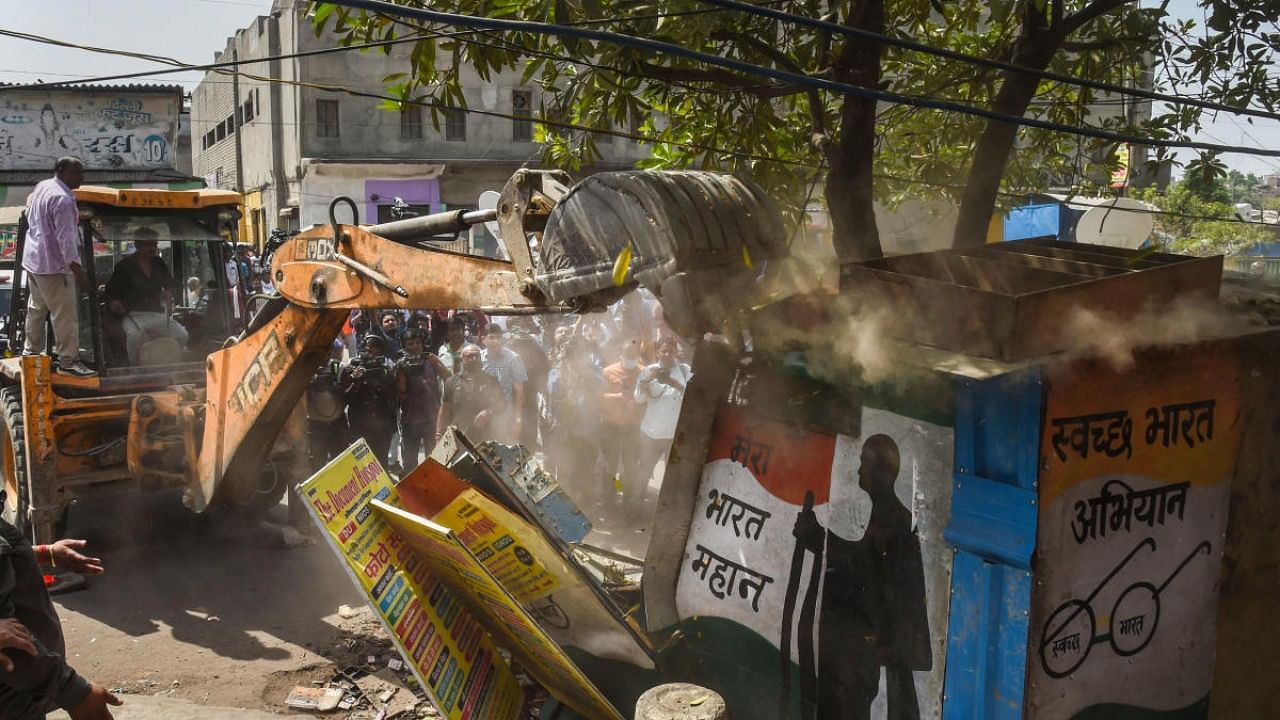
(368, 385)
(418, 376)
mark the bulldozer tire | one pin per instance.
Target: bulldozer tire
(270, 491)
(268, 496)
(17, 501)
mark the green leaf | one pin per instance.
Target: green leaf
(322, 13)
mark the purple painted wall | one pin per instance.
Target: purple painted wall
(414, 192)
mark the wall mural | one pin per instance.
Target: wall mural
(826, 550)
(1134, 491)
(107, 131)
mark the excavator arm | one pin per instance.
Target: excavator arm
(685, 230)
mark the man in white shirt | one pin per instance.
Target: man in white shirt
(661, 390)
(51, 257)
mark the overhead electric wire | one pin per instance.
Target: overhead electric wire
(423, 34)
(702, 147)
(662, 47)
(914, 46)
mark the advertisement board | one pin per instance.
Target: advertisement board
(448, 648)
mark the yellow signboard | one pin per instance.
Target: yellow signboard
(448, 648)
(560, 595)
(464, 574)
(479, 525)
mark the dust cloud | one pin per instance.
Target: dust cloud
(857, 337)
(1096, 334)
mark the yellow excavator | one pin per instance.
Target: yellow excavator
(226, 425)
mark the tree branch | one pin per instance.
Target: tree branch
(1089, 13)
(1086, 46)
(817, 118)
(732, 80)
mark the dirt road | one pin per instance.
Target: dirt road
(220, 615)
(225, 614)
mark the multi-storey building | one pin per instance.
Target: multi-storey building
(292, 147)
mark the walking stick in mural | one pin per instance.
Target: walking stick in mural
(1072, 629)
(804, 643)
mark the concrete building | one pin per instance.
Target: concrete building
(127, 136)
(291, 149)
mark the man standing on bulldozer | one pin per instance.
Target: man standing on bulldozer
(51, 258)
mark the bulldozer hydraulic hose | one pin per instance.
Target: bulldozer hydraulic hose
(426, 226)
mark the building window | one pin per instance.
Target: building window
(210, 139)
(455, 125)
(326, 118)
(220, 131)
(247, 110)
(411, 123)
(231, 124)
(521, 107)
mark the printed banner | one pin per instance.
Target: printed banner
(454, 564)
(1134, 491)
(546, 586)
(815, 565)
(450, 653)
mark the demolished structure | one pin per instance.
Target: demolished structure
(1018, 481)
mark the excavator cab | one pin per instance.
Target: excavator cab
(136, 424)
(205, 303)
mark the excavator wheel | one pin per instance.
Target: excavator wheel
(17, 488)
(13, 445)
(269, 491)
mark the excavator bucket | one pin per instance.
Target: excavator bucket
(697, 239)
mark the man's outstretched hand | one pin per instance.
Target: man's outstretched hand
(66, 554)
(94, 705)
(14, 635)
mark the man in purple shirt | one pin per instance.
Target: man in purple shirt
(51, 257)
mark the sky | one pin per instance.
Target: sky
(193, 30)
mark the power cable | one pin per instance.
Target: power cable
(702, 147)
(660, 46)
(800, 79)
(912, 45)
(183, 67)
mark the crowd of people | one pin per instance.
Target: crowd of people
(597, 395)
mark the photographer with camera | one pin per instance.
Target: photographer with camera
(368, 385)
(418, 377)
(661, 390)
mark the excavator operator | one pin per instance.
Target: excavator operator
(141, 292)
